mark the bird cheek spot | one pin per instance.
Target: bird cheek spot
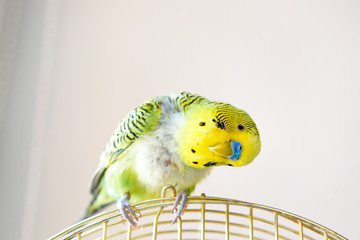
(209, 164)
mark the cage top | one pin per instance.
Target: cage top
(204, 218)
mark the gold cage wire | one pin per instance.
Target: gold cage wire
(205, 218)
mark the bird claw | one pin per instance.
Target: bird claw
(183, 197)
(127, 212)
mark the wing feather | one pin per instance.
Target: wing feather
(138, 122)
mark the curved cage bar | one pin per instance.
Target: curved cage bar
(205, 218)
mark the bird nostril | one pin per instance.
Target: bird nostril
(237, 149)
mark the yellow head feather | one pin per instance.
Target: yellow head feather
(210, 128)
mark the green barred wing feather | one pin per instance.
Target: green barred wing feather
(138, 122)
(185, 99)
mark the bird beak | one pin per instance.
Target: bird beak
(231, 150)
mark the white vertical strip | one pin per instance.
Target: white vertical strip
(40, 118)
(11, 11)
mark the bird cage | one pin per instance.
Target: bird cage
(205, 217)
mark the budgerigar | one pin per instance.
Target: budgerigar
(170, 140)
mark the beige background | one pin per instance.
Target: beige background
(70, 70)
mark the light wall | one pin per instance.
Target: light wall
(73, 69)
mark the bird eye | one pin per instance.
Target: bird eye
(201, 123)
(241, 127)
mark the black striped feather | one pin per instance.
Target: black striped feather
(185, 99)
(136, 124)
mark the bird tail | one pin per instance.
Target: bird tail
(99, 202)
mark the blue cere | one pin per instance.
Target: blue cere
(237, 149)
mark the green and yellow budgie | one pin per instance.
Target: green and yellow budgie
(175, 140)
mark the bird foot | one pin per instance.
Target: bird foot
(127, 212)
(183, 197)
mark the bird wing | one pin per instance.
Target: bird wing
(138, 122)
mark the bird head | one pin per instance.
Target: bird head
(216, 134)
